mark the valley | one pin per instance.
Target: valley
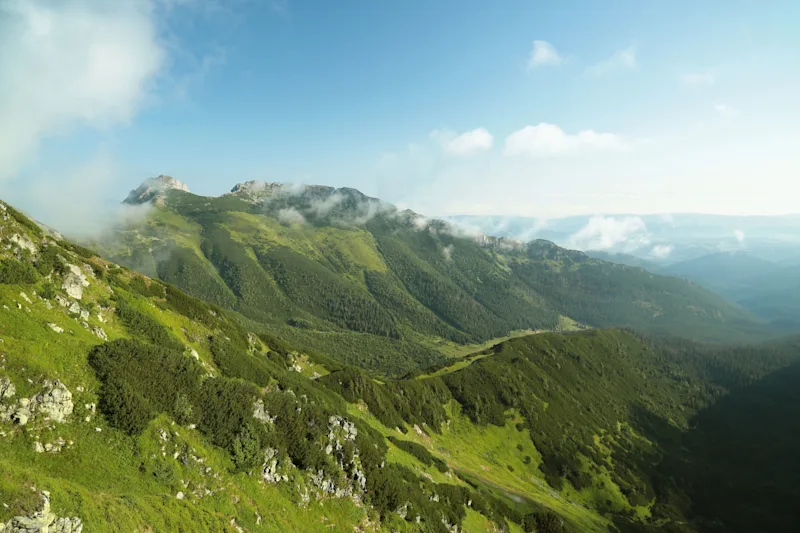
(170, 410)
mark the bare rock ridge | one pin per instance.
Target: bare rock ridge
(154, 188)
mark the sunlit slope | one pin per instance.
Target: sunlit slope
(335, 271)
(126, 405)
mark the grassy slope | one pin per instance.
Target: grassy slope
(118, 482)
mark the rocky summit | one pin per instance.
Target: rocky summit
(154, 188)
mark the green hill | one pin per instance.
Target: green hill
(335, 271)
(127, 405)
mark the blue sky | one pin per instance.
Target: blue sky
(442, 106)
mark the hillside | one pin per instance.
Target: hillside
(335, 271)
(126, 405)
(768, 290)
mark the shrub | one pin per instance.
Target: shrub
(14, 272)
(146, 327)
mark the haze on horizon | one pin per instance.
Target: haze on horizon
(537, 109)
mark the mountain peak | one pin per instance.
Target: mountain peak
(153, 188)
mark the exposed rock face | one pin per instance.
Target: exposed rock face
(74, 282)
(100, 333)
(55, 401)
(23, 243)
(154, 188)
(7, 389)
(275, 470)
(43, 521)
(261, 413)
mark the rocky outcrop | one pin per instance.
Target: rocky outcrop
(275, 469)
(74, 282)
(42, 521)
(7, 389)
(154, 188)
(55, 402)
(23, 243)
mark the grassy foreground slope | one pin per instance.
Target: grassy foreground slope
(126, 405)
(335, 271)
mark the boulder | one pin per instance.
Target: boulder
(55, 401)
(74, 282)
(42, 521)
(7, 389)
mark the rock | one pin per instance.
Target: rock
(84, 314)
(74, 282)
(43, 521)
(180, 496)
(56, 328)
(101, 318)
(55, 401)
(100, 333)
(25, 297)
(23, 412)
(23, 243)
(153, 189)
(260, 412)
(7, 389)
(194, 354)
(74, 308)
(37, 447)
(63, 302)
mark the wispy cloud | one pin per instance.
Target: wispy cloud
(92, 66)
(606, 233)
(621, 59)
(469, 142)
(661, 251)
(544, 53)
(550, 140)
(694, 79)
(725, 110)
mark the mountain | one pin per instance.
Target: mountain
(722, 271)
(768, 290)
(335, 271)
(661, 238)
(127, 405)
(628, 259)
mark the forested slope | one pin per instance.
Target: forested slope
(335, 271)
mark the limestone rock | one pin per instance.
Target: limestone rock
(43, 521)
(74, 282)
(153, 189)
(100, 333)
(55, 401)
(7, 389)
(56, 328)
(23, 242)
(260, 412)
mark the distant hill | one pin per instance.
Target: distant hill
(336, 271)
(628, 259)
(724, 270)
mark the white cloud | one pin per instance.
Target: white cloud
(290, 216)
(699, 78)
(467, 143)
(71, 63)
(620, 59)
(550, 140)
(543, 53)
(447, 252)
(725, 110)
(604, 233)
(661, 251)
(739, 234)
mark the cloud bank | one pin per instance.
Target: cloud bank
(606, 233)
(550, 140)
(71, 64)
(477, 140)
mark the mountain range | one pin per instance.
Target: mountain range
(311, 359)
(335, 271)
